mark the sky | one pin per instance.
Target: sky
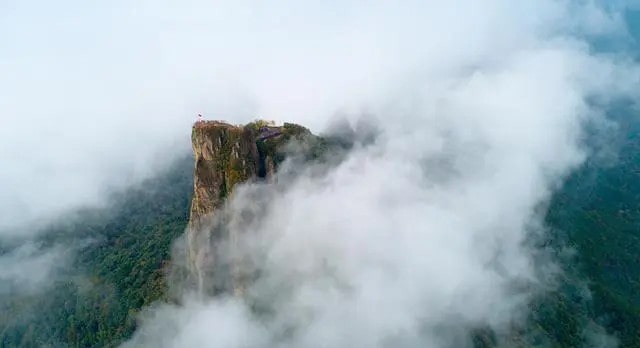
(483, 107)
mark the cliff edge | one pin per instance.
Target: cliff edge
(226, 155)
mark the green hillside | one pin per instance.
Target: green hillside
(118, 271)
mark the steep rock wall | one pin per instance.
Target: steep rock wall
(225, 156)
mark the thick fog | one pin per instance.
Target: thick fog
(411, 241)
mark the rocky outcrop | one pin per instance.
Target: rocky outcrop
(225, 156)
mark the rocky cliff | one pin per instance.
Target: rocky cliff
(225, 156)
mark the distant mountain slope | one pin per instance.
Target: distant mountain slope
(597, 213)
(120, 269)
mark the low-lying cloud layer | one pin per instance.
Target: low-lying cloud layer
(409, 242)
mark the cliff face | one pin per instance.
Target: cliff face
(225, 156)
